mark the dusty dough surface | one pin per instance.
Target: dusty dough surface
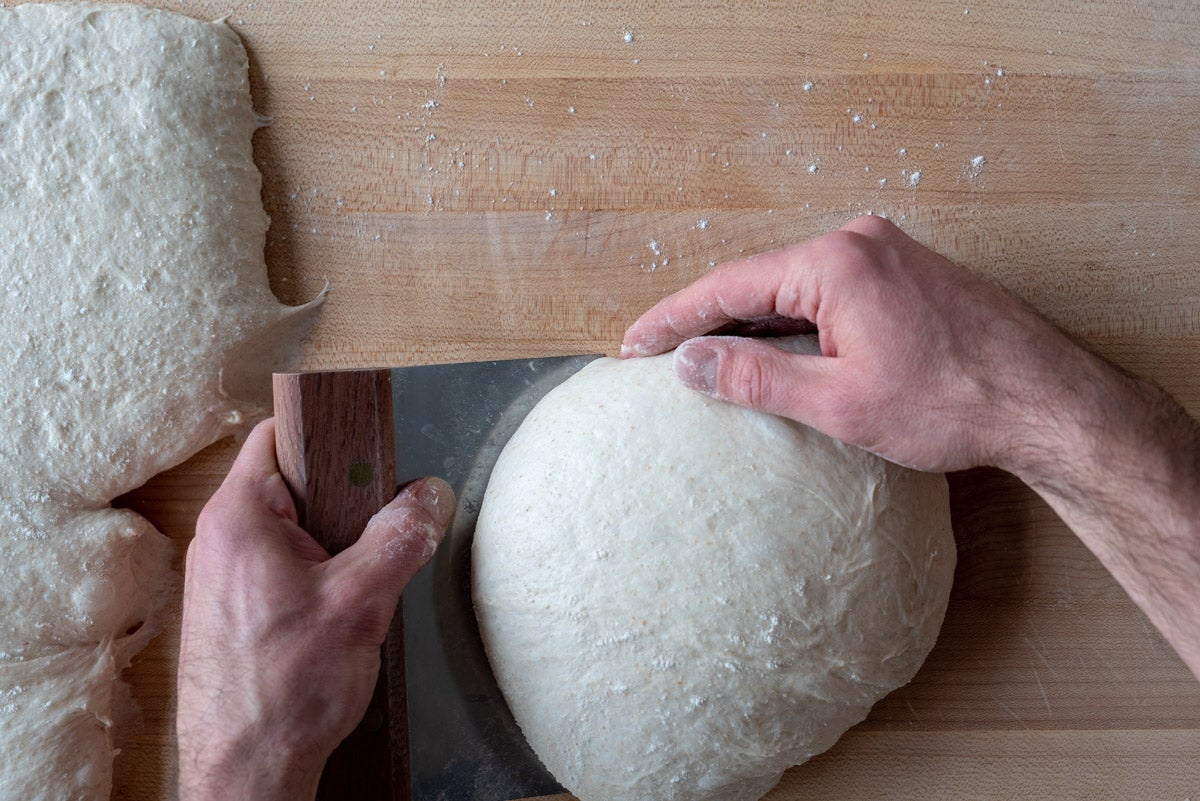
(137, 326)
(681, 599)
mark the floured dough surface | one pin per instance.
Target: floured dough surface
(681, 599)
(137, 326)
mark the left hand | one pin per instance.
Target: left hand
(922, 362)
(280, 643)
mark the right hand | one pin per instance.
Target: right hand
(279, 649)
(922, 362)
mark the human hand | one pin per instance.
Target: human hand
(932, 367)
(279, 651)
(923, 363)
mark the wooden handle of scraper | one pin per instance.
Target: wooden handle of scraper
(334, 443)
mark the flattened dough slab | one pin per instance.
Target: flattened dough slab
(134, 292)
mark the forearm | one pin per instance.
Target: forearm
(1119, 461)
(929, 366)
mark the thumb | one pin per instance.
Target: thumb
(758, 375)
(397, 542)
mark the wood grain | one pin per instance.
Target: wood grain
(334, 442)
(424, 158)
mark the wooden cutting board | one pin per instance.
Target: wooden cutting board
(487, 179)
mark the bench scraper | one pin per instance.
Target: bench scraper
(437, 728)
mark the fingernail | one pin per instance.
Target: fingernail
(436, 496)
(696, 366)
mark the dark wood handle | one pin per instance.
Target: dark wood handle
(334, 443)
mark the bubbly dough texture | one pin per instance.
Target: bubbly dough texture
(681, 598)
(137, 327)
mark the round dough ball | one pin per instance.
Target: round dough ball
(681, 598)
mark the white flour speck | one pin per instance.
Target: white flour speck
(914, 178)
(628, 36)
(975, 167)
(808, 86)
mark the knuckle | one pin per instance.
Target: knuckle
(871, 225)
(843, 247)
(211, 520)
(855, 260)
(748, 381)
(408, 533)
(402, 520)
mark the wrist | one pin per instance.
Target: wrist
(1097, 425)
(252, 766)
(1069, 415)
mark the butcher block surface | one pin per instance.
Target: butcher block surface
(482, 180)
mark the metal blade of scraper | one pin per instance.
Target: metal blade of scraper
(453, 421)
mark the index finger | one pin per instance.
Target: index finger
(255, 471)
(777, 283)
